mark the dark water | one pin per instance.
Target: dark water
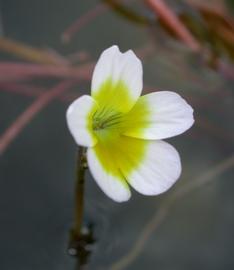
(37, 169)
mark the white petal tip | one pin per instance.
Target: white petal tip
(114, 186)
(159, 171)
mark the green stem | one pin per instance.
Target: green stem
(79, 191)
(79, 240)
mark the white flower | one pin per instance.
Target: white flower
(123, 131)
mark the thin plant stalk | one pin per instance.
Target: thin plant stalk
(79, 191)
(79, 238)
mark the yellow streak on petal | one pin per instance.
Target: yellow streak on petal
(116, 151)
(116, 96)
(138, 118)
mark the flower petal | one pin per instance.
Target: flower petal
(79, 120)
(107, 175)
(159, 115)
(150, 167)
(117, 79)
(158, 170)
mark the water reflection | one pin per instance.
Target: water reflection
(81, 247)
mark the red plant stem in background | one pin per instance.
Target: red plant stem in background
(32, 91)
(172, 21)
(22, 120)
(19, 71)
(82, 21)
(22, 89)
(31, 54)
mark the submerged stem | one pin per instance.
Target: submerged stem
(80, 240)
(81, 166)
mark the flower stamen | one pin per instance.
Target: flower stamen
(106, 118)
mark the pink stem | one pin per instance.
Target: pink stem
(82, 21)
(15, 71)
(172, 21)
(32, 91)
(22, 120)
(22, 89)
